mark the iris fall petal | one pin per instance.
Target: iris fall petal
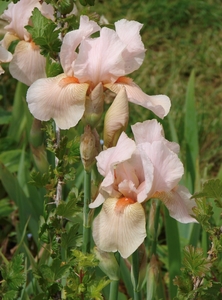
(27, 64)
(119, 227)
(59, 98)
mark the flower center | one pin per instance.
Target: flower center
(67, 80)
(122, 203)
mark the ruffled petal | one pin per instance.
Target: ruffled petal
(147, 171)
(133, 55)
(120, 226)
(18, 16)
(8, 39)
(123, 151)
(71, 41)
(59, 98)
(116, 119)
(168, 169)
(27, 64)
(5, 55)
(100, 59)
(159, 104)
(179, 203)
(150, 131)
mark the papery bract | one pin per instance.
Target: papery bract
(149, 169)
(105, 59)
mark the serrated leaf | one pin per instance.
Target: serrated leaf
(53, 68)
(44, 34)
(39, 179)
(211, 189)
(10, 295)
(203, 212)
(94, 291)
(59, 268)
(13, 272)
(67, 209)
(195, 261)
(69, 239)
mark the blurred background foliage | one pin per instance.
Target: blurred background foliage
(183, 60)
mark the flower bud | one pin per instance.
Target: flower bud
(36, 139)
(107, 263)
(94, 106)
(65, 6)
(89, 147)
(152, 277)
(116, 119)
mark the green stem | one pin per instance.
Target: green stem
(135, 275)
(156, 223)
(114, 285)
(86, 221)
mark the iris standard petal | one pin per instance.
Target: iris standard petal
(134, 53)
(60, 98)
(120, 226)
(150, 131)
(121, 152)
(168, 168)
(100, 59)
(72, 40)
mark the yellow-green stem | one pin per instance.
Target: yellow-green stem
(86, 219)
(135, 275)
(114, 285)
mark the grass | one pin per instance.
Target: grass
(181, 36)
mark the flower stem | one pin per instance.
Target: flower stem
(135, 275)
(114, 285)
(58, 196)
(86, 219)
(156, 223)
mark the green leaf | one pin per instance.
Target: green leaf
(44, 34)
(5, 208)
(59, 269)
(195, 261)
(67, 209)
(94, 291)
(10, 295)
(69, 239)
(13, 272)
(211, 189)
(53, 68)
(191, 136)
(203, 212)
(5, 117)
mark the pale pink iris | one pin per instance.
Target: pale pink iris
(27, 64)
(134, 172)
(105, 60)
(5, 56)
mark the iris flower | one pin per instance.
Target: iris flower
(27, 64)
(134, 172)
(88, 62)
(5, 56)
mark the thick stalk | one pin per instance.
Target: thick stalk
(135, 275)
(114, 285)
(86, 219)
(156, 223)
(58, 196)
